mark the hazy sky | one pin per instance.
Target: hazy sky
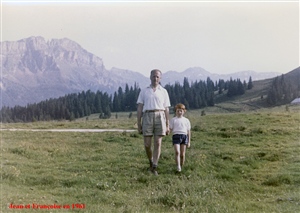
(221, 37)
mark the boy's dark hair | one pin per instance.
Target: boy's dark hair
(180, 106)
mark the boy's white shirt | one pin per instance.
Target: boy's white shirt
(180, 125)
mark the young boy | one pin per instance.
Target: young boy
(180, 126)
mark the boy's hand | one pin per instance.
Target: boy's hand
(189, 145)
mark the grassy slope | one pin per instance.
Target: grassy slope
(252, 99)
(238, 162)
(256, 97)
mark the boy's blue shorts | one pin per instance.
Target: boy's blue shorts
(180, 139)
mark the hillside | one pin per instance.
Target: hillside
(256, 98)
(196, 96)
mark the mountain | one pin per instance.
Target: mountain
(34, 69)
(198, 73)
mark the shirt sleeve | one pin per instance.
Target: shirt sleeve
(167, 99)
(140, 99)
(171, 123)
(188, 124)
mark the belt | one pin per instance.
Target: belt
(155, 110)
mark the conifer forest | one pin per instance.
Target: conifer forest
(194, 95)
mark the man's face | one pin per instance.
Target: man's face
(155, 78)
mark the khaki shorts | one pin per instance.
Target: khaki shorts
(154, 123)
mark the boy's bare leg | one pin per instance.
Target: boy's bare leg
(177, 155)
(182, 154)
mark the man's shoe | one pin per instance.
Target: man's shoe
(150, 167)
(154, 171)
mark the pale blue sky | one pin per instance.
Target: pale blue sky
(221, 37)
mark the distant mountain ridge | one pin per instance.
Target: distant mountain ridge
(198, 73)
(34, 69)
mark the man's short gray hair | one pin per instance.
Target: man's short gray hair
(155, 70)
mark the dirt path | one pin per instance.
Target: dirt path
(71, 130)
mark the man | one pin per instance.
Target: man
(153, 117)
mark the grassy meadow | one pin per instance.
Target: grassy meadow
(245, 161)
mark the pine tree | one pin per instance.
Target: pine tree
(116, 103)
(250, 83)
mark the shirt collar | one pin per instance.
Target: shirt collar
(158, 87)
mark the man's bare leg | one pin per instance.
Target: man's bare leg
(148, 149)
(157, 149)
(156, 152)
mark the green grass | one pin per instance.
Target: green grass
(90, 122)
(238, 162)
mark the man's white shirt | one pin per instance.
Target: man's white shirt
(154, 100)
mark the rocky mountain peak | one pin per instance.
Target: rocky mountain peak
(35, 43)
(65, 43)
(35, 54)
(35, 69)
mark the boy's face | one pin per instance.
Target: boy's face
(179, 112)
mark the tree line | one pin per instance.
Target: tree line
(194, 95)
(283, 90)
(201, 94)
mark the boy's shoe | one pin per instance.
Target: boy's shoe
(178, 169)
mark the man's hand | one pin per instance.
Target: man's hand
(168, 131)
(139, 117)
(140, 130)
